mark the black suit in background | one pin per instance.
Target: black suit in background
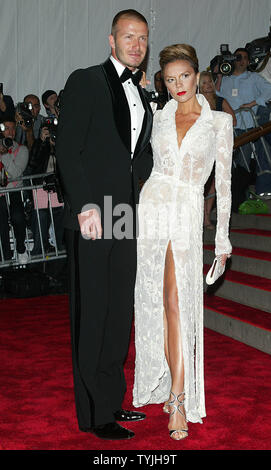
(10, 109)
(94, 160)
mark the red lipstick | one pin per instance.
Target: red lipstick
(181, 93)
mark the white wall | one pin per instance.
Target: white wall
(43, 41)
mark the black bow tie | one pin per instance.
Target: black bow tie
(135, 77)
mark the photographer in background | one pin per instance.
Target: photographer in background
(6, 105)
(264, 68)
(244, 89)
(49, 100)
(26, 135)
(264, 112)
(13, 160)
(161, 88)
(42, 160)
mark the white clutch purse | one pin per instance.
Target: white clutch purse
(215, 271)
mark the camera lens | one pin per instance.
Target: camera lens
(225, 68)
(8, 142)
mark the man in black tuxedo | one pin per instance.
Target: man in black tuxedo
(102, 153)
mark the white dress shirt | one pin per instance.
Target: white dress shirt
(137, 110)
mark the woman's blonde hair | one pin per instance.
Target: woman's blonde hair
(203, 75)
(179, 52)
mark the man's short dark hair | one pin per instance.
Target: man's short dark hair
(241, 49)
(30, 96)
(8, 119)
(129, 14)
(46, 95)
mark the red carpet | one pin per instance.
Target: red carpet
(37, 402)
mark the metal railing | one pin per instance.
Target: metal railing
(27, 188)
(249, 137)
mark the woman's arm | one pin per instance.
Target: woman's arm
(224, 147)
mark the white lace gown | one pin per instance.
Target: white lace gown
(171, 209)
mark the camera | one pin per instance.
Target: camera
(51, 124)
(257, 50)
(25, 111)
(51, 185)
(225, 61)
(6, 142)
(152, 96)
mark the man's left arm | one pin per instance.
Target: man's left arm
(263, 89)
(15, 166)
(262, 92)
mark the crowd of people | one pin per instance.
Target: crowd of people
(33, 151)
(27, 149)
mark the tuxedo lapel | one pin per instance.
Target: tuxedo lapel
(145, 134)
(120, 103)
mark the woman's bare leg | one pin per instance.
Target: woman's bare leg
(173, 342)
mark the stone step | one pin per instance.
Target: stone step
(247, 289)
(244, 260)
(262, 221)
(248, 325)
(251, 238)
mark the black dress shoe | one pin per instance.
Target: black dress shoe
(110, 431)
(123, 415)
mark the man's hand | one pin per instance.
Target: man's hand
(90, 224)
(19, 121)
(3, 150)
(144, 82)
(248, 105)
(44, 134)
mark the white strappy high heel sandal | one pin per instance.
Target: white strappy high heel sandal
(176, 407)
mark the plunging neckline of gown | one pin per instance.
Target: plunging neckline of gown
(188, 130)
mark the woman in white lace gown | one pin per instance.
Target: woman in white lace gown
(188, 137)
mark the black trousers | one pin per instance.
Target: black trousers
(102, 278)
(17, 219)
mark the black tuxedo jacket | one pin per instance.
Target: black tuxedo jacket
(93, 147)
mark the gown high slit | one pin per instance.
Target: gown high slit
(171, 209)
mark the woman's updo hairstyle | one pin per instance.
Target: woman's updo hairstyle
(179, 52)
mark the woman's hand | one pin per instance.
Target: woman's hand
(224, 258)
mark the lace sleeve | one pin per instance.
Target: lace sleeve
(224, 147)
